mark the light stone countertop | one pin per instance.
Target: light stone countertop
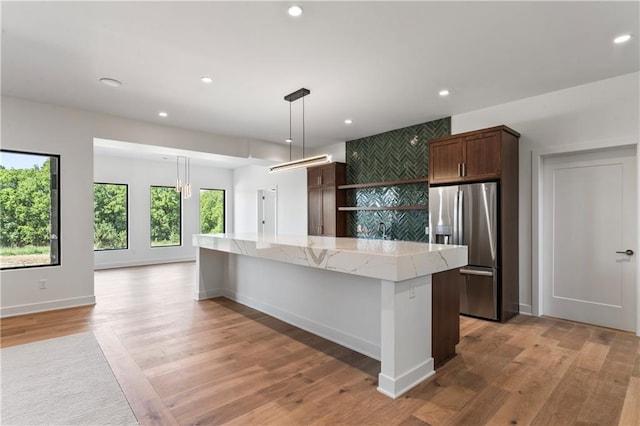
(382, 259)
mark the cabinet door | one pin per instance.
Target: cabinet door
(329, 175)
(445, 159)
(482, 156)
(329, 212)
(314, 177)
(314, 209)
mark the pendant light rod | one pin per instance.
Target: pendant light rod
(290, 140)
(292, 97)
(303, 162)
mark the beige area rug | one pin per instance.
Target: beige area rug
(62, 381)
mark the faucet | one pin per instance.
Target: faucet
(382, 229)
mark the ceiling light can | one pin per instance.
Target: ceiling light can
(443, 92)
(622, 38)
(348, 121)
(163, 114)
(294, 10)
(206, 80)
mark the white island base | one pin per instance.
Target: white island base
(372, 296)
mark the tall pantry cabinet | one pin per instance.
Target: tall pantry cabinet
(479, 156)
(324, 198)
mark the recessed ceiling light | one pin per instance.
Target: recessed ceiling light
(294, 10)
(443, 92)
(288, 140)
(163, 114)
(622, 39)
(111, 82)
(348, 121)
(207, 80)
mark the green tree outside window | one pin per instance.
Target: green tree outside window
(166, 220)
(211, 211)
(110, 216)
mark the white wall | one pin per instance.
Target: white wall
(292, 198)
(140, 175)
(37, 127)
(49, 130)
(338, 152)
(596, 115)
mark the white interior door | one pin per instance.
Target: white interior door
(267, 211)
(589, 218)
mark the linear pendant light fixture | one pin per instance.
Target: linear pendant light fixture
(303, 162)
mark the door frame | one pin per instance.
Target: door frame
(538, 157)
(260, 211)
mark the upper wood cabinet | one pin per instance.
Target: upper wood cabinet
(324, 198)
(326, 175)
(471, 156)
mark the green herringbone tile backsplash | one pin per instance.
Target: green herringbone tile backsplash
(395, 155)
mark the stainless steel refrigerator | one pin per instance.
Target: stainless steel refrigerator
(468, 215)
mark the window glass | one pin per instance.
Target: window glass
(166, 220)
(211, 211)
(110, 213)
(29, 209)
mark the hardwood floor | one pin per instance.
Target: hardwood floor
(180, 361)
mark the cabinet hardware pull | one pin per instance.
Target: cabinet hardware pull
(464, 169)
(319, 180)
(459, 169)
(465, 271)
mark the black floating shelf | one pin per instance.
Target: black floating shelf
(378, 208)
(387, 183)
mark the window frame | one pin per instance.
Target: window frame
(150, 219)
(126, 185)
(54, 186)
(224, 208)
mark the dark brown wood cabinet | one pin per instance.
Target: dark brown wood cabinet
(445, 315)
(467, 157)
(486, 155)
(324, 198)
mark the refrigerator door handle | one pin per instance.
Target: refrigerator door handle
(465, 271)
(455, 219)
(460, 218)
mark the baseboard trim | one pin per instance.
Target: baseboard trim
(525, 309)
(395, 387)
(53, 305)
(127, 264)
(209, 294)
(357, 344)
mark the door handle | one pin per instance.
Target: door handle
(628, 252)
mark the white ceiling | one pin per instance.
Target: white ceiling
(379, 63)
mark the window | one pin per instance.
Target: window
(110, 214)
(211, 211)
(166, 220)
(29, 209)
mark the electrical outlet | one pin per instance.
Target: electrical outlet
(43, 284)
(412, 291)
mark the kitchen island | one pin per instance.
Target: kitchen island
(373, 296)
